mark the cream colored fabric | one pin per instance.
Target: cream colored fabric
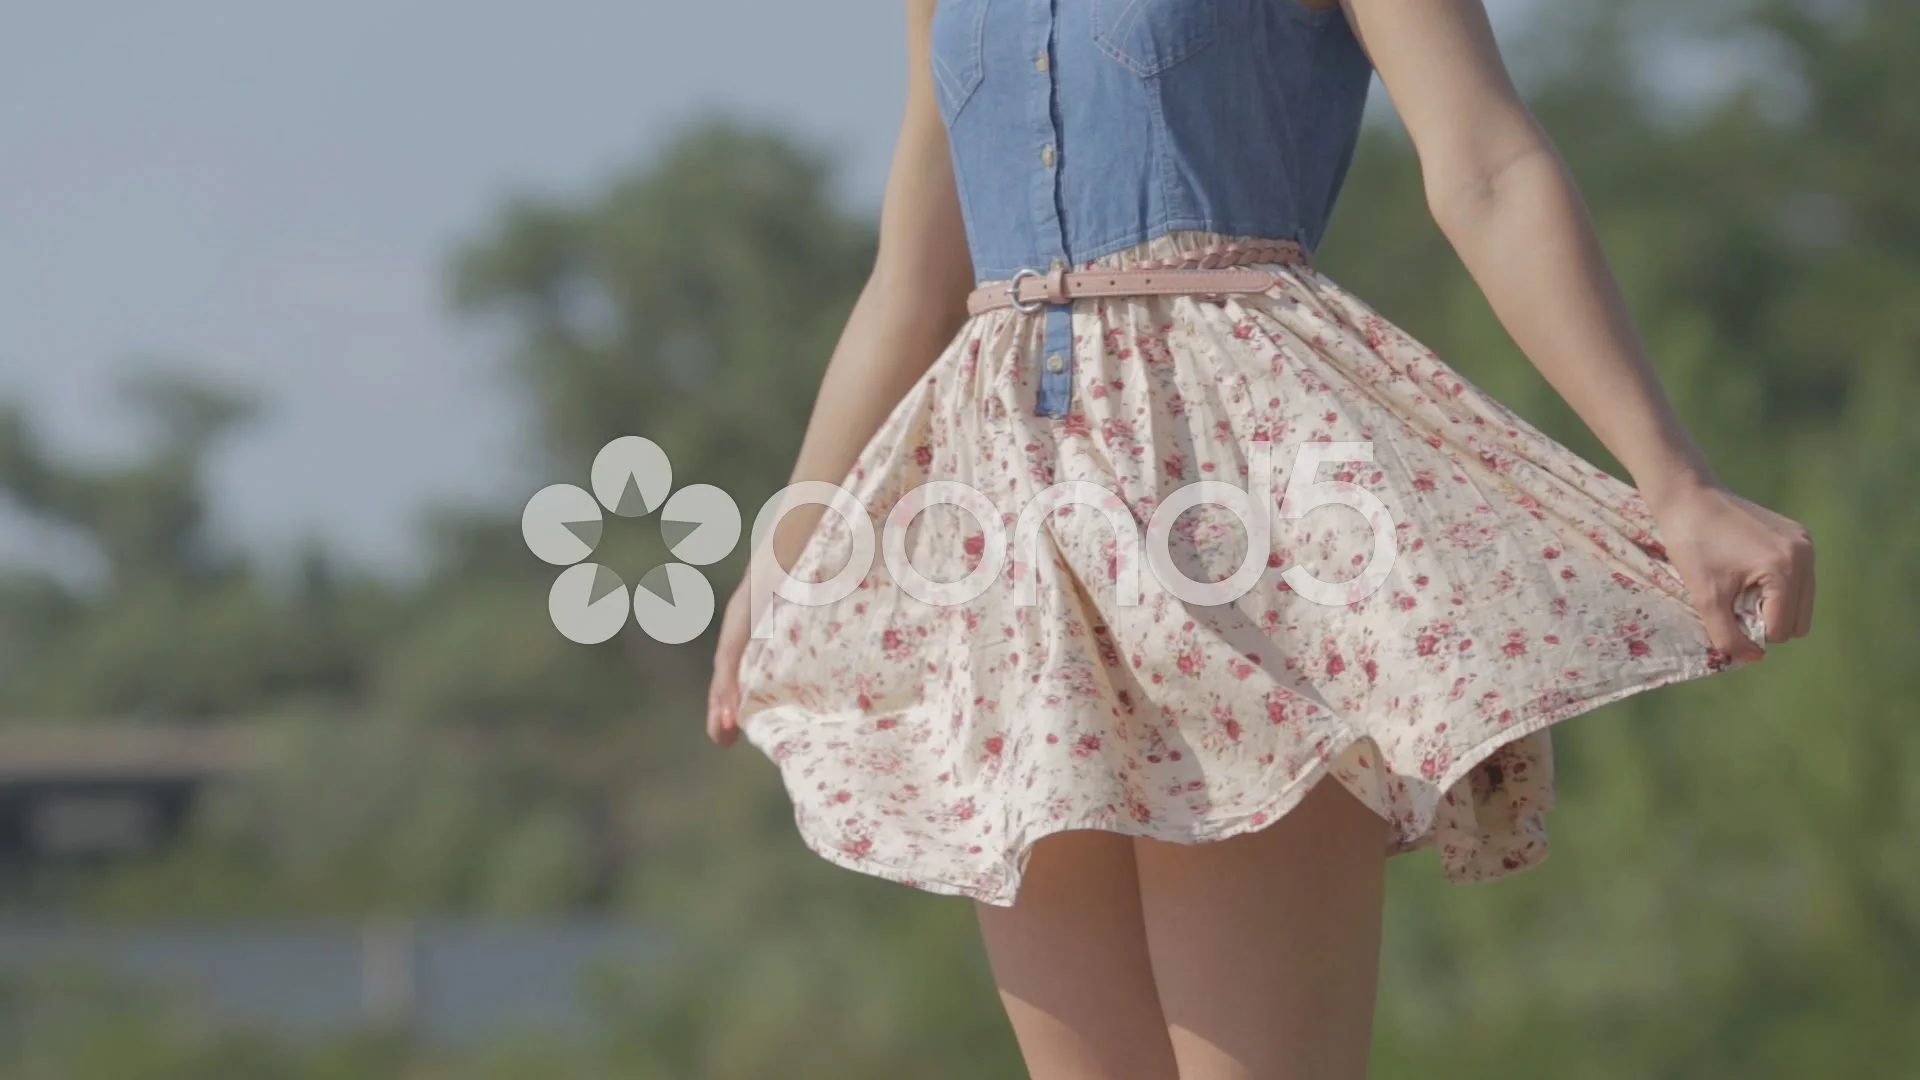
(933, 745)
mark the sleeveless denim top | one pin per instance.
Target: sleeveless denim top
(1080, 128)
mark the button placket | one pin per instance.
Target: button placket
(1055, 390)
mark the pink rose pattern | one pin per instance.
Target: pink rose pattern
(933, 745)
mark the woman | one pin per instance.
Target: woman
(1122, 768)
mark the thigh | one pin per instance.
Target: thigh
(1266, 946)
(1070, 958)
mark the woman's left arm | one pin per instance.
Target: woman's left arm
(1501, 193)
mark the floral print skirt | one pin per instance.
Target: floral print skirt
(933, 741)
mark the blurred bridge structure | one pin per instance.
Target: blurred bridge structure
(104, 789)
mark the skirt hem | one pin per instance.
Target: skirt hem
(1418, 835)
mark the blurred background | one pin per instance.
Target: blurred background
(299, 304)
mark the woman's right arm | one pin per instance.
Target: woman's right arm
(913, 303)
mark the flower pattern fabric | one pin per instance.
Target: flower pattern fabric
(934, 744)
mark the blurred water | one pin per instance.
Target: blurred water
(452, 979)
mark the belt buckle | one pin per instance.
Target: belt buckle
(1013, 291)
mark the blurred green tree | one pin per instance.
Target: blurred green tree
(1735, 894)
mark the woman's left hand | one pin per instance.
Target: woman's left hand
(1722, 545)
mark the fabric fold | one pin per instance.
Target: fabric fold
(935, 744)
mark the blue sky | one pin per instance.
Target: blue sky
(269, 193)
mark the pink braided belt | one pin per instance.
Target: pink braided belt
(1210, 271)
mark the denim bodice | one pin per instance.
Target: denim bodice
(1081, 128)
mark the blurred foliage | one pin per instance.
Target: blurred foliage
(1736, 893)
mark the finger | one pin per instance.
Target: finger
(722, 731)
(723, 696)
(717, 685)
(721, 726)
(1796, 587)
(1806, 605)
(1803, 607)
(1724, 631)
(729, 713)
(1777, 596)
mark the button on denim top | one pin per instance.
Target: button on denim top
(1080, 128)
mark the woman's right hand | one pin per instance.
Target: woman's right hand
(723, 694)
(914, 302)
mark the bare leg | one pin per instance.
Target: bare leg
(1071, 961)
(1266, 946)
